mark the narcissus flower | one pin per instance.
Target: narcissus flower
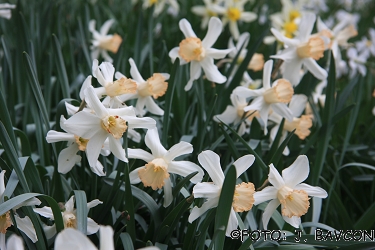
(160, 4)
(69, 215)
(103, 42)
(288, 191)
(5, 10)
(160, 164)
(152, 88)
(267, 98)
(104, 123)
(206, 11)
(243, 199)
(199, 52)
(303, 50)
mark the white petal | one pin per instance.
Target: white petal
(267, 74)
(248, 16)
(297, 172)
(232, 222)
(306, 26)
(26, 226)
(98, 169)
(141, 102)
(134, 177)
(292, 71)
(94, 146)
(246, 92)
(152, 107)
(73, 239)
(108, 71)
(92, 226)
(173, 54)
(198, 211)
(185, 27)
(44, 211)
(153, 143)
(228, 116)
(206, 190)
(55, 136)
(268, 193)
(68, 158)
(168, 197)
(195, 73)
(85, 85)
(69, 205)
(282, 38)
(134, 72)
(275, 178)
(214, 30)
(2, 184)
(287, 55)
(185, 168)
(212, 72)
(116, 149)
(181, 148)
(257, 104)
(94, 203)
(145, 122)
(270, 208)
(106, 26)
(217, 53)
(315, 69)
(106, 238)
(15, 242)
(83, 124)
(210, 161)
(294, 221)
(243, 163)
(297, 104)
(93, 101)
(312, 191)
(134, 153)
(282, 110)
(49, 231)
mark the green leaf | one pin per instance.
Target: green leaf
(279, 152)
(224, 207)
(63, 77)
(126, 241)
(177, 188)
(367, 220)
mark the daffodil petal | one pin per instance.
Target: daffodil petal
(94, 146)
(186, 28)
(294, 221)
(196, 212)
(282, 110)
(140, 154)
(312, 191)
(185, 168)
(25, 225)
(73, 239)
(181, 148)
(152, 107)
(270, 209)
(232, 222)
(168, 197)
(315, 69)
(92, 226)
(153, 143)
(275, 178)
(44, 211)
(243, 163)
(214, 30)
(134, 72)
(268, 193)
(297, 172)
(68, 158)
(116, 148)
(134, 177)
(106, 26)
(210, 161)
(211, 71)
(106, 238)
(228, 116)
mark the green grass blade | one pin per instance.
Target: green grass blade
(82, 211)
(63, 77)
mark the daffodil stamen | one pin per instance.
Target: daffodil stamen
(120, 87)
(314, 48)
(233, 13)
(114, 125)
(70, 220)
(243, 199)
(5, 222)
(82, 142)
(281, 92)
(191, 49)
(154, 173)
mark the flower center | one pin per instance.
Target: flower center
(191, 49)
(120, 87)
(293, 202)
(243, 198)
(152, 2)
(256, 62)
(154, 173)
(70, 220)
(155, 86)
(5, 222)
(313, 48)
(233, 13)
(210, 13)
(290, 28)
(281, 92)
(112, 44)
(114, 125)
(82, 143)
(302, 126)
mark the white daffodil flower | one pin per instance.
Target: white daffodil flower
(68, 157)
(338, 37)
(301, 124)
(268, 97)
(104, 123)
(156, 173)
(160, 4)
(288, 191)
(206, 11)
(243, 199)
(199, 52)
(357, 62)
(234, 114)
(5, 10)
(111, 89)
(233, 12)
(303, 50)
(14, 242)
(24, 224)
(154, 87)
(102, 42)
(71, 238)
(69, 215)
